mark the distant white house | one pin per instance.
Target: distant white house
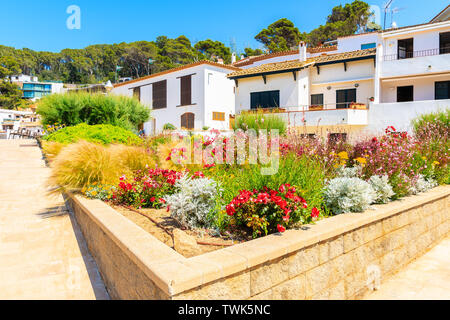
(193, 96)
(34, 89)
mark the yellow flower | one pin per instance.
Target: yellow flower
(424, 158)
(361, 160)
(436, 163)
(343, 155)
(94, 193)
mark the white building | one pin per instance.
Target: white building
(193, 96)
(368, 82)
(34, 89)
(326, 90)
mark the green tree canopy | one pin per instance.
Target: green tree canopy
(249, 52)
(280, 36)
(343, 21)
(10, 95)
(213, 50)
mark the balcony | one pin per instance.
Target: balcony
(416, 54)
(408, 63)
(341, 114)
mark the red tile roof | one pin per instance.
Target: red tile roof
(215, 64)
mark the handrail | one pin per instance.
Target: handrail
(416, 54)
(312, 108)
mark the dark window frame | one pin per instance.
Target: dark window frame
(188, 121)
(159, 95)
(265, 99)
(319, 101)
(402, 93)
(186, 91)
(443, 95)
(444, 42)
(350, 96)
(405, 48)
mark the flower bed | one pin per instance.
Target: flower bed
(342, 257)
(298, 183)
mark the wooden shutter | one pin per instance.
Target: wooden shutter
(160, 95)
(219, 116)
(186, 90)
(187, 121)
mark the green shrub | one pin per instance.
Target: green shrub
(102, 133)
(169, 126)
(432, 133)
(303, 172)
(259, 121)
(75, 108)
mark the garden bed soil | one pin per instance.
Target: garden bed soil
(170, 232)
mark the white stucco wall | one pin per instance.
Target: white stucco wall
(352, 43)
(218, 95)
(289, 92)
(400, 115)
(424, 87)
(334, 76)
(426, 48)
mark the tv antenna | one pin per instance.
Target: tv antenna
(393, 12)
(387, 7)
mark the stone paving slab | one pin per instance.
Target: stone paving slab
(427, 278)
(42, 251)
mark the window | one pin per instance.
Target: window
(368, 45)
(405, 48)
(219, 116)
(405, 94)
(344, 98)
(137, 93)
(335, 138)
(187, 121)
(265, 99)
(442, 90)
(317, 99)
(186, 90)
(160, 95)
(444, 43)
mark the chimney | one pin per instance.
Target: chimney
(233, 57)
(242, 57)
(302, 51)
(220, 60)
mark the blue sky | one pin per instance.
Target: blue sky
(41, 25)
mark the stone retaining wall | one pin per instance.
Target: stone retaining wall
(338, 258)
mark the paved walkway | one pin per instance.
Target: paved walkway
(42, 252)
(427, 278)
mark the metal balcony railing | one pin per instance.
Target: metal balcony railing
(415, 54)
(311, 108)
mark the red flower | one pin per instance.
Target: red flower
(231, 210)
(152, 199)
(281, 229)
(162, 200)
(199, 174)
(315, 213)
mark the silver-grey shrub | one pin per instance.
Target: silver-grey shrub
(423, 185)
(195, 202)
(382, 188)
(344, 195)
